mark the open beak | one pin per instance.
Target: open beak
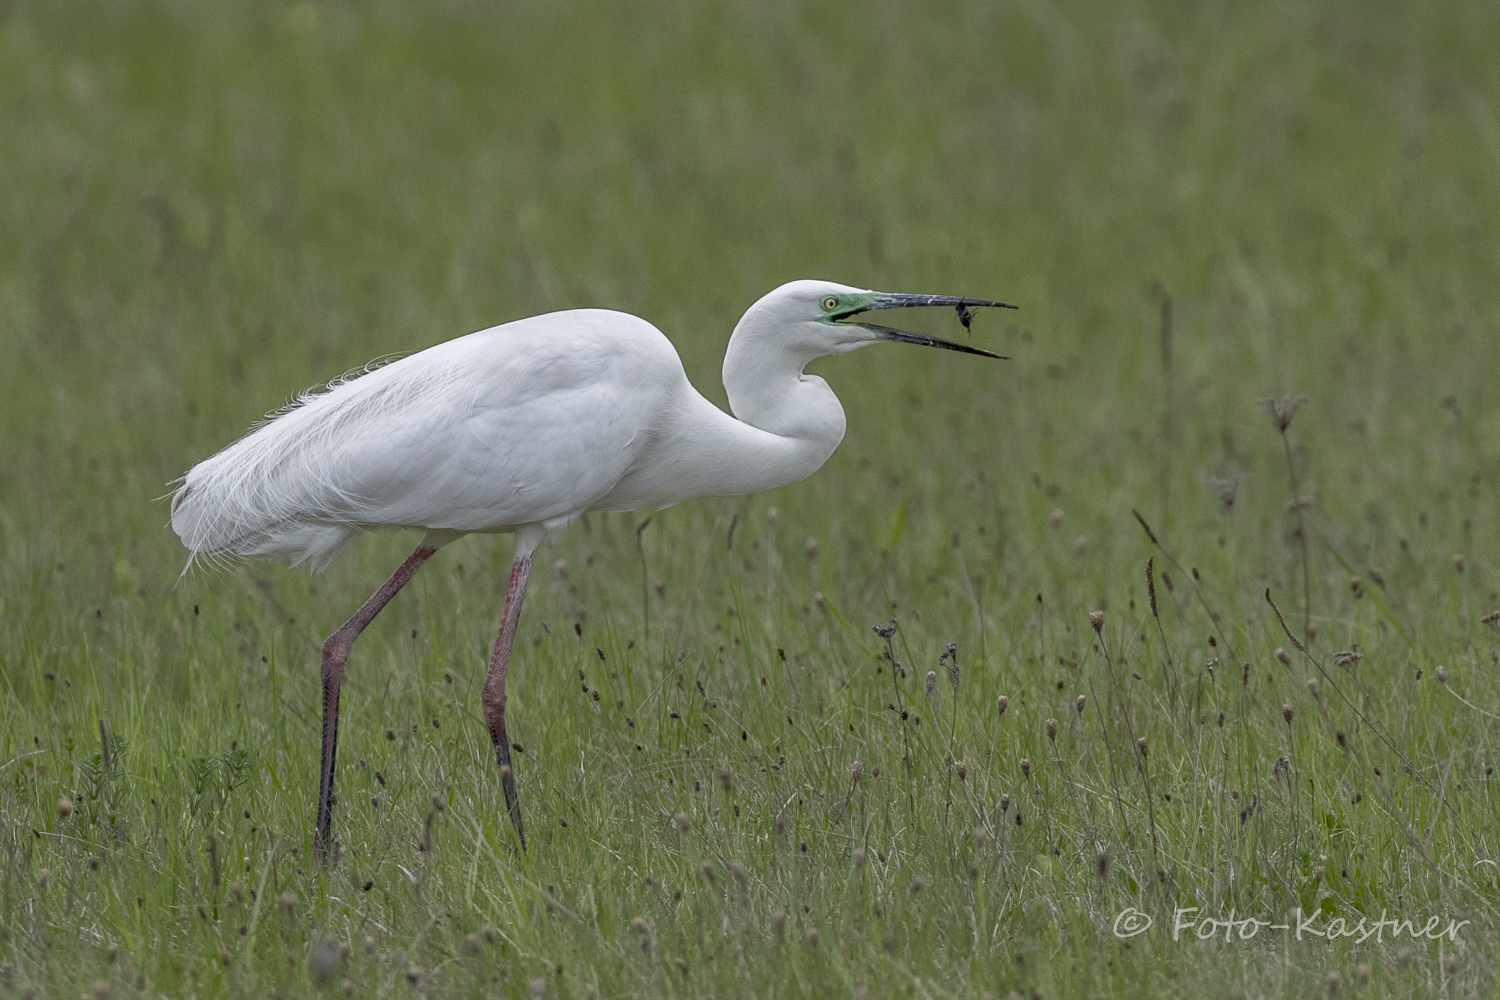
(899, 300)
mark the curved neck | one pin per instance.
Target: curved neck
(785, 426)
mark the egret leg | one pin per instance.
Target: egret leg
(494, 687)
(335, 653)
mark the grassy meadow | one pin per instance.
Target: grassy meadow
(733, 784)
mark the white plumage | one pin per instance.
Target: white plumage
(523, 427)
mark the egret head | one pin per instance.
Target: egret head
(815, 318)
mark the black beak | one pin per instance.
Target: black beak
(898, 300)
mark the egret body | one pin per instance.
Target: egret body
(523, 428)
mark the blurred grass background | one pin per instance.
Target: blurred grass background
(206, 208)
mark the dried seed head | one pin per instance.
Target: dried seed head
(64, 807)
(638, 924)
(1312, 686)
(1287, 712)
(473, 942)
(1334, 982)
(1458, 562)
(1338, 734)
(561, 568)
(286, 902)
(931, 681)
(917, 885)
(1362, 973)
(772, 516)
(707, 868)
(1081, 544)
(1140, 745)
(1442, 674)
(1357, 587)
(1283, 655)
(1005, 803)
(778, 921)
(370, 942)
(858, 857)
(1052, 730)
(1001, 704)
(737, 870)
(812, 549)
(1317, 874)
(1227, 489)
(981, 836)
(1405, 956)
(1025, 767)
(1055, 518)
(856, 771)
(726, 781)
(323, 960)
(438, 805)
(1346, 658)
(1079, 704)
(1096, 619)
(1101, 864)
(812, 937)
(1450, 963)
(1282, 410)
(962, 769)
(684, 822)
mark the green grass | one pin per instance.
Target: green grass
(205, 208)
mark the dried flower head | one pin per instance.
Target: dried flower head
(858, 857)
(1101, 864)
(1025, 767)
(1078, 704)
(931, 681)
(1283, 655)
(1458, 562)
(1140, 744)
(772, 516)
(1055, 518)
(1493, 618)
(707, 868)
(1096, 619)
(286, 902)
(856, 771)
(1005, 803)
(1052, 730)
(1282, 409)
(1227, 489)
(811, 549)
(1001, 704)
(962, 770)
(1287, 712)
(64, 807)
(917, 885)
(1346, 658)
(1312, 686)
(1442, 674)
(684, 822)
(778, 921)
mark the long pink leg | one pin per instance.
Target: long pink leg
(335, 653)
(494, 686)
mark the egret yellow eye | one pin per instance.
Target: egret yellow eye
(830, 303)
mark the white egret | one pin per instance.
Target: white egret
(522, 428)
